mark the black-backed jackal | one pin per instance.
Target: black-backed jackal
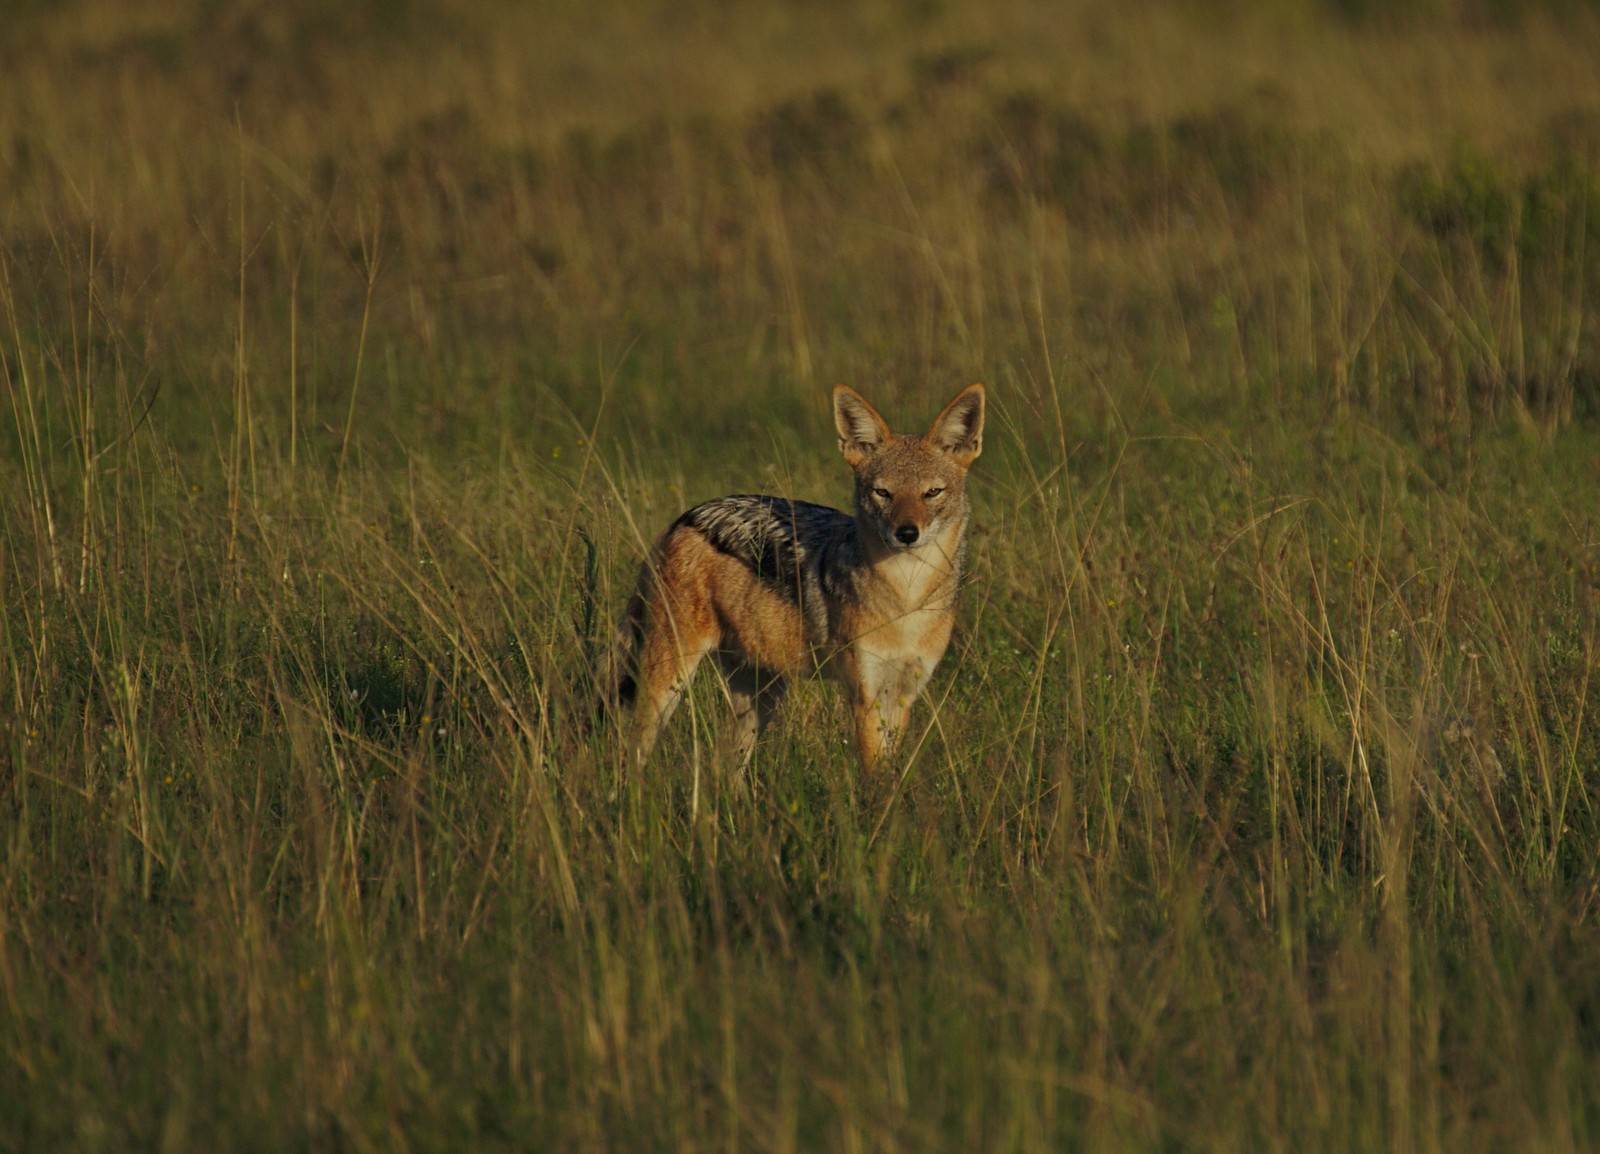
(771, 588)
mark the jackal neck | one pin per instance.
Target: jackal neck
(931, 571)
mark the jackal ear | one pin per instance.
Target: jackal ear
(959, 429)
(861, 431)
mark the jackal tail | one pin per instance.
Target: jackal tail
(618, 682)
(605, 686)
(614, 682)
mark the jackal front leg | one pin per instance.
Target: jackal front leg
(882, 701)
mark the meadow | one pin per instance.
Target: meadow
(352, 355)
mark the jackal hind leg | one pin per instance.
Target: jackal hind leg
(667, 661)
(755, 697)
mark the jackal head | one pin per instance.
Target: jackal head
(910, 490)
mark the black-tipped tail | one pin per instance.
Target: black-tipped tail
(613, 683)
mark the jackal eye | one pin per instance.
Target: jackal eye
(933, 492)
(882, 494)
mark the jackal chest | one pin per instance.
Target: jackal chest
(916, 636)
(894, 659)
(892, 639)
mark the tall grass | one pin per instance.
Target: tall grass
(1253, 806)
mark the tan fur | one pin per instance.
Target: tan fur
(772, 588)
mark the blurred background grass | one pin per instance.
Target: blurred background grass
(352, 356)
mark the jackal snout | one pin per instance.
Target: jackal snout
(907, 534)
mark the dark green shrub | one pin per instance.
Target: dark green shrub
(821, 132)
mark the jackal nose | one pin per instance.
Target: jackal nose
(906, 534)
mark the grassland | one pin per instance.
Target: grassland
(351, 360)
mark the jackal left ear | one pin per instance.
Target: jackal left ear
(959, 429)
(861, 431)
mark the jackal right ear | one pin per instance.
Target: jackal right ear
(861, 431)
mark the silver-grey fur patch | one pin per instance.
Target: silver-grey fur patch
(787, 544)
